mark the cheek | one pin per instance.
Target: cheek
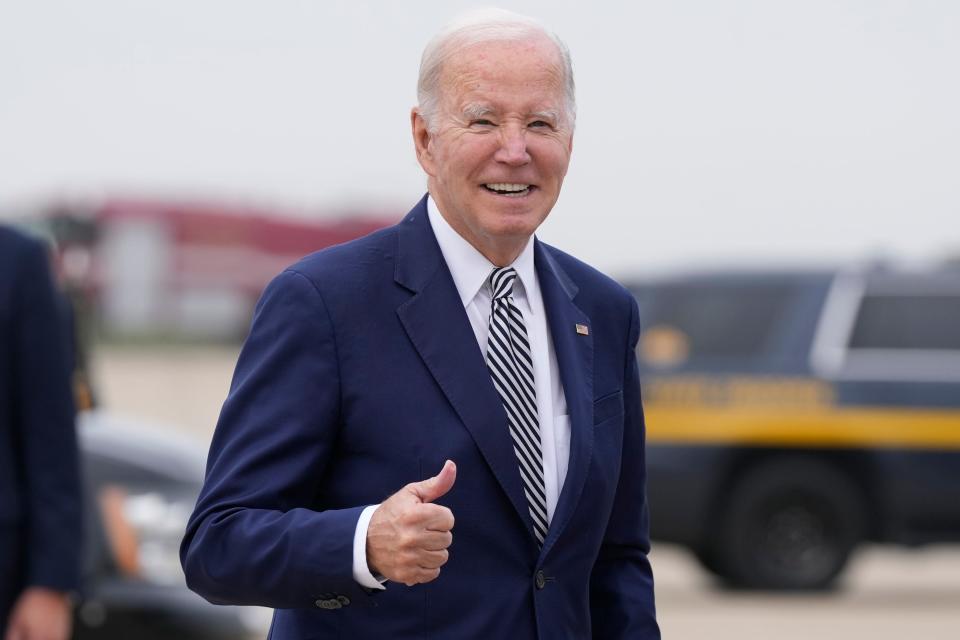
(470, 154)
(554, 158)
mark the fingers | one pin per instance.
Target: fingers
(39, 614)
(420, 576)
(433, 517)
(437, 540)
(423, 559)
(424, 568)
(433, 559)
(408, 536)
(419, 558)
(413, 542)
(436, 487)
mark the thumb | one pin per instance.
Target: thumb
(432, 488)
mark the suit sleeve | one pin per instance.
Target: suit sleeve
(46, 434)
(252, 538)
(621, 585)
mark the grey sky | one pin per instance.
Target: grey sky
(709, 132)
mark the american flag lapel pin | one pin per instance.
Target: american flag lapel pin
(583, 329)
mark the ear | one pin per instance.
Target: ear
(421, 141)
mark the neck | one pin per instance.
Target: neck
(501, 252)
(502, 258)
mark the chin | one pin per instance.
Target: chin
(514, 229)
(516, 220)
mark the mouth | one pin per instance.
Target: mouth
(509, 189)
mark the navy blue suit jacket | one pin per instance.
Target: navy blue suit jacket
(39, 480)
(361, 374)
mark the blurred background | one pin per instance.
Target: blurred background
(777, 182)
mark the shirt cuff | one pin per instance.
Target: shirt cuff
(361, 571)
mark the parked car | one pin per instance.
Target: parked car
(793, 416)
(140, 488)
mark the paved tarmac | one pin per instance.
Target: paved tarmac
(887, 593)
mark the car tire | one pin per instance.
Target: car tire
(790, 524)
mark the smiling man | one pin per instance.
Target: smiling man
(455, 344)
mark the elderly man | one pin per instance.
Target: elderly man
(454, 343)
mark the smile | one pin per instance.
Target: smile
(508, 189)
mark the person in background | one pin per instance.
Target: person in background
(40, 510)
(455, 344)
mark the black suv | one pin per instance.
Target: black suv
(792, 416)
(141, 485)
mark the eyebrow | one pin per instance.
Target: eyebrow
(550, 115)
(476, 111)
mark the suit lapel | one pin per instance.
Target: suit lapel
(575, 361)
(438, 327)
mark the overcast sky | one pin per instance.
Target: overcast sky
(709, 132)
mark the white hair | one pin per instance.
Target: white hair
(475, 27)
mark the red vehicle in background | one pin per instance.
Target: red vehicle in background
(156, 268)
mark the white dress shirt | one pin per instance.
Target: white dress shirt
(471, 273)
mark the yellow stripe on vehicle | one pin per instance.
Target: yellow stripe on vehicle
(824, 426)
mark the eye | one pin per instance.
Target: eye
(481, 122)
(540, 124)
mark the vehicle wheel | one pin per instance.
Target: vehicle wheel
(791, 523)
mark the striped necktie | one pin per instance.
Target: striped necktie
(511, 367)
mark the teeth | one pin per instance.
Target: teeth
(507, 186)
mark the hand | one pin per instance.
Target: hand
(408, 537)
(40, 614)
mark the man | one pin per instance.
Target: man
(451, 344)
(39, 479)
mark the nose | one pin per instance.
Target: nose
(513, 146)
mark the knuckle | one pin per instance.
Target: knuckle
(445, 517)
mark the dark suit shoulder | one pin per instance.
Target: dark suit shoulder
(591, 282)
(350, 260)
(15, 245)
(22, 260)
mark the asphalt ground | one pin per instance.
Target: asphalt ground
(887, 593)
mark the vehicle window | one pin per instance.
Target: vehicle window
(907, 322)
(719, 321)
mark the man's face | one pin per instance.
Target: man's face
(501, 143)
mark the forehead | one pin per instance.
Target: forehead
(500, 72)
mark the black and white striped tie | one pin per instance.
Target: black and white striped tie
(511, 367)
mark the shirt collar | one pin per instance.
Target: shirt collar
(469, 268)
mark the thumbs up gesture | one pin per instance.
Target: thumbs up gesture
(408, 536)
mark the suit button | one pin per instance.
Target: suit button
(343, 600)
(540, 580)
